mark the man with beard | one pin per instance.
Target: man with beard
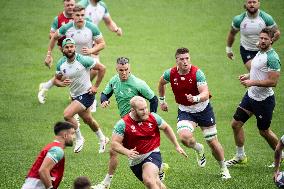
(191, 93)
(129, 138)
(250, 23)
(48, 169)
(259, 98)
(73, 70)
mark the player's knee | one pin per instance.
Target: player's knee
(148, 181)
(210, 134)
(264, 133)
(240, 116)
(88, 120)
(67, 115)
(112, 153)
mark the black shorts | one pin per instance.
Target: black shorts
(246, 54)
(86, 100)
(154, 157)
(205, 118)
(262, 110)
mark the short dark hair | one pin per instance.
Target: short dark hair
(81, 182)
(181, 50)
(60, 126)
(122, 60)
(78, 8)
(268, 31)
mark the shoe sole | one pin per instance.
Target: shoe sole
(106, 142)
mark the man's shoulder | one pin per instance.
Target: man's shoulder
(239, 18)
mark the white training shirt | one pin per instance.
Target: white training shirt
(83, 37)
(95, 12)
(261, 64)
(78, 72)
(251, 27)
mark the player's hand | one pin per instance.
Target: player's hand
(244, 77)
(105, 104)
(119, 32)
(164, 106)
(181, 151)
(66, 82)
(189, 98)
(48, 60)
(93, 90)
(247, 83)
(86, 51)
(231, 55)
(132, 154)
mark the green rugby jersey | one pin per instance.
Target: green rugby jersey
(125, 90)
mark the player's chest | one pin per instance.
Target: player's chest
(142, 129)
(80, 36)
(124, 90)
(252, 26)
(73, 70)
(260, 62)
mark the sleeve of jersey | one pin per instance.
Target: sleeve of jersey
(106, 13)
(269, 22)
(83, 3)
(63, 29)
(58, 65)
(158, 118)
(55, 153)
(54, 24)
(119, 128)
(95, 30)
(87, 61)
(200, 78)
(236, 23)
(273, 62)
(108, 89)
(166, 75)
(145, 90)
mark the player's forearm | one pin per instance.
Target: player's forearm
(276, 36)
(58, 83)
(116, 146)
(230, 39)
(264, 83)
(170, 135)
(101, 74)
(45, 178)
(51, 45)
(97, 48)
(204, 96)
(162, 88)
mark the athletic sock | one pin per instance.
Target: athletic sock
(100, 134)
(240, 151)
(198, 147)
(78, 134)
(107, 179)
(222, 164)
(48, 85)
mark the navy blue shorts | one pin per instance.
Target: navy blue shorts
(154, 157)
(205, 118)
(262, 110)
(86, 99)
(247, 55)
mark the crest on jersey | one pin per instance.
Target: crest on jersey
(175, 81)
(133, 128)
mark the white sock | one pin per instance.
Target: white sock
(108, 179)
(198, 147)
(78, 133)
(48, 85)
(240, 151)
(222, 164)
(282, 156)
(100, 134)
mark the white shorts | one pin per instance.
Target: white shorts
(33, 183)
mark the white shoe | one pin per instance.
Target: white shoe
(225, 174)
(103, 144)
(79, 145)
(94, 106)
(41, 93)
(76, 116)
(101, 186)
(164, 169)
(200, 158)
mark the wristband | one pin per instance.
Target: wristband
(196, 98)
(162, 99)
(229, 50)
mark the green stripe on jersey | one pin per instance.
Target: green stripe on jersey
(273, 61)
(266, 18)
(238, 20)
